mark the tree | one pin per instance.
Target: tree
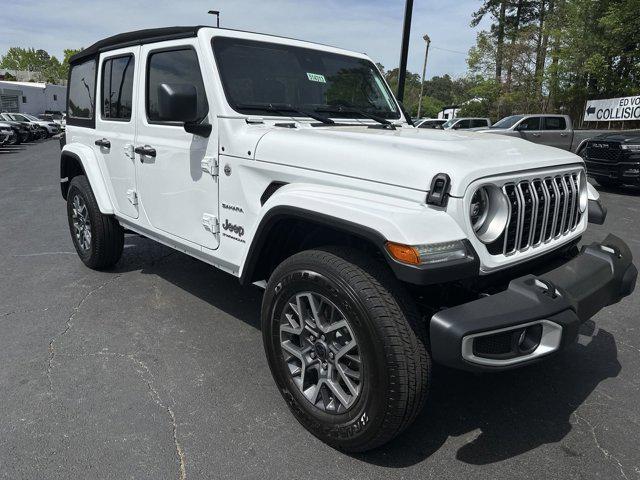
(50, 68)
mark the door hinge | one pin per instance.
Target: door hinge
(211, 223)
(132, 196)
(210, 165)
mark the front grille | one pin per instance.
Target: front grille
(540, 210)
(603, 151)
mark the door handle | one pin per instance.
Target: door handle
(535, 134)
(103, 142)
(563, 134)
(145, 151)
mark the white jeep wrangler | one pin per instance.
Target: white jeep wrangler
(382, 248)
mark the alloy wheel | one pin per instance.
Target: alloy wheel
(320, 352)
(81, 223)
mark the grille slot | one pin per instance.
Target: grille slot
(540, 210)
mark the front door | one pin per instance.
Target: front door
(177, 182)
(531, 129)
(116, 123)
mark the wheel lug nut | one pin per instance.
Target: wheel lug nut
(331, 355)
(313, 354)
(312, 338)
(322, 337)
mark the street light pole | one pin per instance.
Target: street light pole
(404, 50)
(424, 70)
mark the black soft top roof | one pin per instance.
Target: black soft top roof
(137, 37)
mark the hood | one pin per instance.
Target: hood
(406, 157)
(630, 137)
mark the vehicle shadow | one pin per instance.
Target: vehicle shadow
(513, 412)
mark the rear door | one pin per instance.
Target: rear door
(556, 133)
(116, 125)
(178, 183)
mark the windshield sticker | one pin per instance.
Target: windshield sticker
(316, 77)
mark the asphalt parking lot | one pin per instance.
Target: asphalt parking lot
(156, 370)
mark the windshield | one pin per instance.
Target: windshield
(31, 117)
(260, 74)
(507, 122)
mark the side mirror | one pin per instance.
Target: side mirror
(178, 102)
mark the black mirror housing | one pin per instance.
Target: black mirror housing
(177, 102)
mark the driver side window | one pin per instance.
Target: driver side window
(532, 123)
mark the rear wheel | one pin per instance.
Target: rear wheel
(345, 345)
(98, 238)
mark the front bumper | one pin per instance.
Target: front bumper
(626, 172)
(536, 315)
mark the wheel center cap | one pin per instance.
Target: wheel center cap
(321, 350)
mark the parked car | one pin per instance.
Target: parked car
(36, 131)
(430, 123)
(381, 248)
(546, 129)
(55, 117)
(21, 130)
(6, 133)
(466, 124)
(613, 159)
(49, 128)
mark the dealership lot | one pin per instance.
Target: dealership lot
(156, 370)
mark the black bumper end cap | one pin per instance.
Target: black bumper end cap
(601, 275)
(597, 212)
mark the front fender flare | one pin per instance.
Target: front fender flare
(373, 217)
(86, 158)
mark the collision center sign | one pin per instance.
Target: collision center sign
(613, 109)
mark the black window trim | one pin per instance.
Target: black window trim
(104, 59)
(174, 48)
(83, 122)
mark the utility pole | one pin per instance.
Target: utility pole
(217, 14)
(424, 70)
(404, 50)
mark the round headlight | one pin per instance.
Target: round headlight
(584, 192)
(488, 212)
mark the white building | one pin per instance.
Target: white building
(448, 112)
(33, 98)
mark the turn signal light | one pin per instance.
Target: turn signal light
(404, 253)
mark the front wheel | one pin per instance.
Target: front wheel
(345, 345)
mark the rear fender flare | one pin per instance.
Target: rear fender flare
(86, 158)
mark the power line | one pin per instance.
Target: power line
(449, 50)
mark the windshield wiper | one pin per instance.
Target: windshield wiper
(283, 108)
(346, 107)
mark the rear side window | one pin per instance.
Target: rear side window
(464, 124)
(532, 123)
(174, 66)
(479, 122)
(555, 123)
(117, 88)
(82, 89)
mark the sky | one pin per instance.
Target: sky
(370, 26)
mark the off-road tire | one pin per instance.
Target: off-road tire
(390, 335)
(107, 236)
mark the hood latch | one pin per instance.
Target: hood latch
(439, 192)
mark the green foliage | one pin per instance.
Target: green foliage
(32, 60)
(556, 54)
